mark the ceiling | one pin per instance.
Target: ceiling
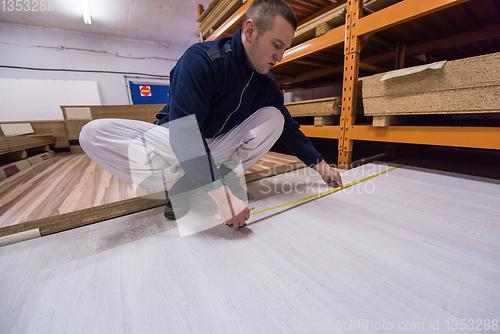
(164, 21)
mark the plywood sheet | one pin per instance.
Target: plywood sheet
(390, 255)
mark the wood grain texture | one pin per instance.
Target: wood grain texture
(469, 85)
(421, 247)
(23, 142)
(54, 128)
(317, 107)
(69, 191)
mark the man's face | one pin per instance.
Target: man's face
(266, 49)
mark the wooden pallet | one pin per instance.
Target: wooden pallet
(69, 191)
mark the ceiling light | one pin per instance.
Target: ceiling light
(86, 11)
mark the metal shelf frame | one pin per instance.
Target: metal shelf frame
(355, 28)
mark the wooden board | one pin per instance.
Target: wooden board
(317, 107)
(23, 142)
(218, 15)
(71, 190)
(140, 112)
(388, 257)
(331, 19)
(54, 128)
(470, 85)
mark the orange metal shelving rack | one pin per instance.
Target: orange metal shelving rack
(356, 26)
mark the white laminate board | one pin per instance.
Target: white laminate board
(415, 248)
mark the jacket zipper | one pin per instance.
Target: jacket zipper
(238, 107)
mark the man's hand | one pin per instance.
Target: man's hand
(329, 175)
(231, 209)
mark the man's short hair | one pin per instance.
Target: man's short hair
(263, 12)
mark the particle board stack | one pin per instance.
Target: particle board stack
(323, 110)
(218, 12)
(331, 19)
(464, 86)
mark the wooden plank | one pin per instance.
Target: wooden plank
(19, 143)
(331, 19)
(325, 120)
(317, 107)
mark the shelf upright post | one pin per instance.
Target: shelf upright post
(352, 48)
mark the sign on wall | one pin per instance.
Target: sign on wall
(150, 94)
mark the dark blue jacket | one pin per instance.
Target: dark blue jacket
(208, 81)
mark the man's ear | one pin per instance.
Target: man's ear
(250, 30)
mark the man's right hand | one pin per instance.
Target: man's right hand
(232, 210)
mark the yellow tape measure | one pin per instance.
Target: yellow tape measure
(330, 191)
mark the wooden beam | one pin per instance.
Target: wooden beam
(330, 39)
(474, 137)
(329, 132)
(453, 41)
(402, 12)
(320, 12)
(311, 75)
(372, 68)
(238, 15)
(447, 42)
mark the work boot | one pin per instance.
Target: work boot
(233, 183)
(183, 190)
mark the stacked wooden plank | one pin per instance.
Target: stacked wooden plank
(331, 19)
(323, 110)
(470, 85)
(218, 12)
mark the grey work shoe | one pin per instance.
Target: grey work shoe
(183, 190)
(177, 212)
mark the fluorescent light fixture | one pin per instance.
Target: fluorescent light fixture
(86, 11)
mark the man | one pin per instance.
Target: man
(225, 108)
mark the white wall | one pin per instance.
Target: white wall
(36, 47)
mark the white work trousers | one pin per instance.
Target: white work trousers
(140, 152)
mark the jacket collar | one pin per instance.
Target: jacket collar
(241, 54)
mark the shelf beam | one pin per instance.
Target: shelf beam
(472, 137)
(401, 12)
(329, 131)
(443, 43)
(328, 40)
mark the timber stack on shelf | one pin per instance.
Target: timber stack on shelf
(341, 42)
